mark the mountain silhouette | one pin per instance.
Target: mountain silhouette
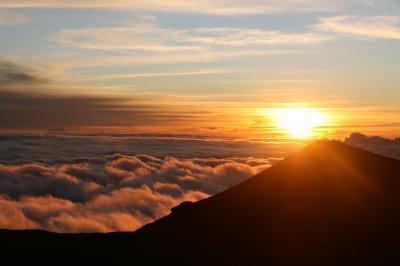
(327, 204)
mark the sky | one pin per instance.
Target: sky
(205, 67)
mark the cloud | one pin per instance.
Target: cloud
(15, 74)
(217, 7)
(141, 36)
(124, 209)
(82, 181)
(383, 27)
(36, 179)
(94, 149)
(120, 193)
(250, 37)
(37, 110)
(28, 100)
(148, 36)
(9, 18)
(12, 216)
(377, 144)
(186, 173)
(159, 58)
(151, 75)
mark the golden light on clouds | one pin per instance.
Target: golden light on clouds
(299, 122)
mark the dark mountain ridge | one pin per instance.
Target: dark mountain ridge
(327, 204)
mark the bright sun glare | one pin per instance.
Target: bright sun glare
(299, 122)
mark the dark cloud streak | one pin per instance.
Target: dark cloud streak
(28, 100)
(14, 74)
(25, 110)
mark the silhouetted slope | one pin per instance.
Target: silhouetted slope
(328, 204)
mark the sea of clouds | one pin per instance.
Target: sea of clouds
(105, 183)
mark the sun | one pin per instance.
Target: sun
(299, 122)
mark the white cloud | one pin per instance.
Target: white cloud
(146, 36)
(384, 27)
(141, 36)
(250, 37)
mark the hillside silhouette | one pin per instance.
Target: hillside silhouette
(327, 204)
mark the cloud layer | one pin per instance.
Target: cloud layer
(57, 147)
(120, 193)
